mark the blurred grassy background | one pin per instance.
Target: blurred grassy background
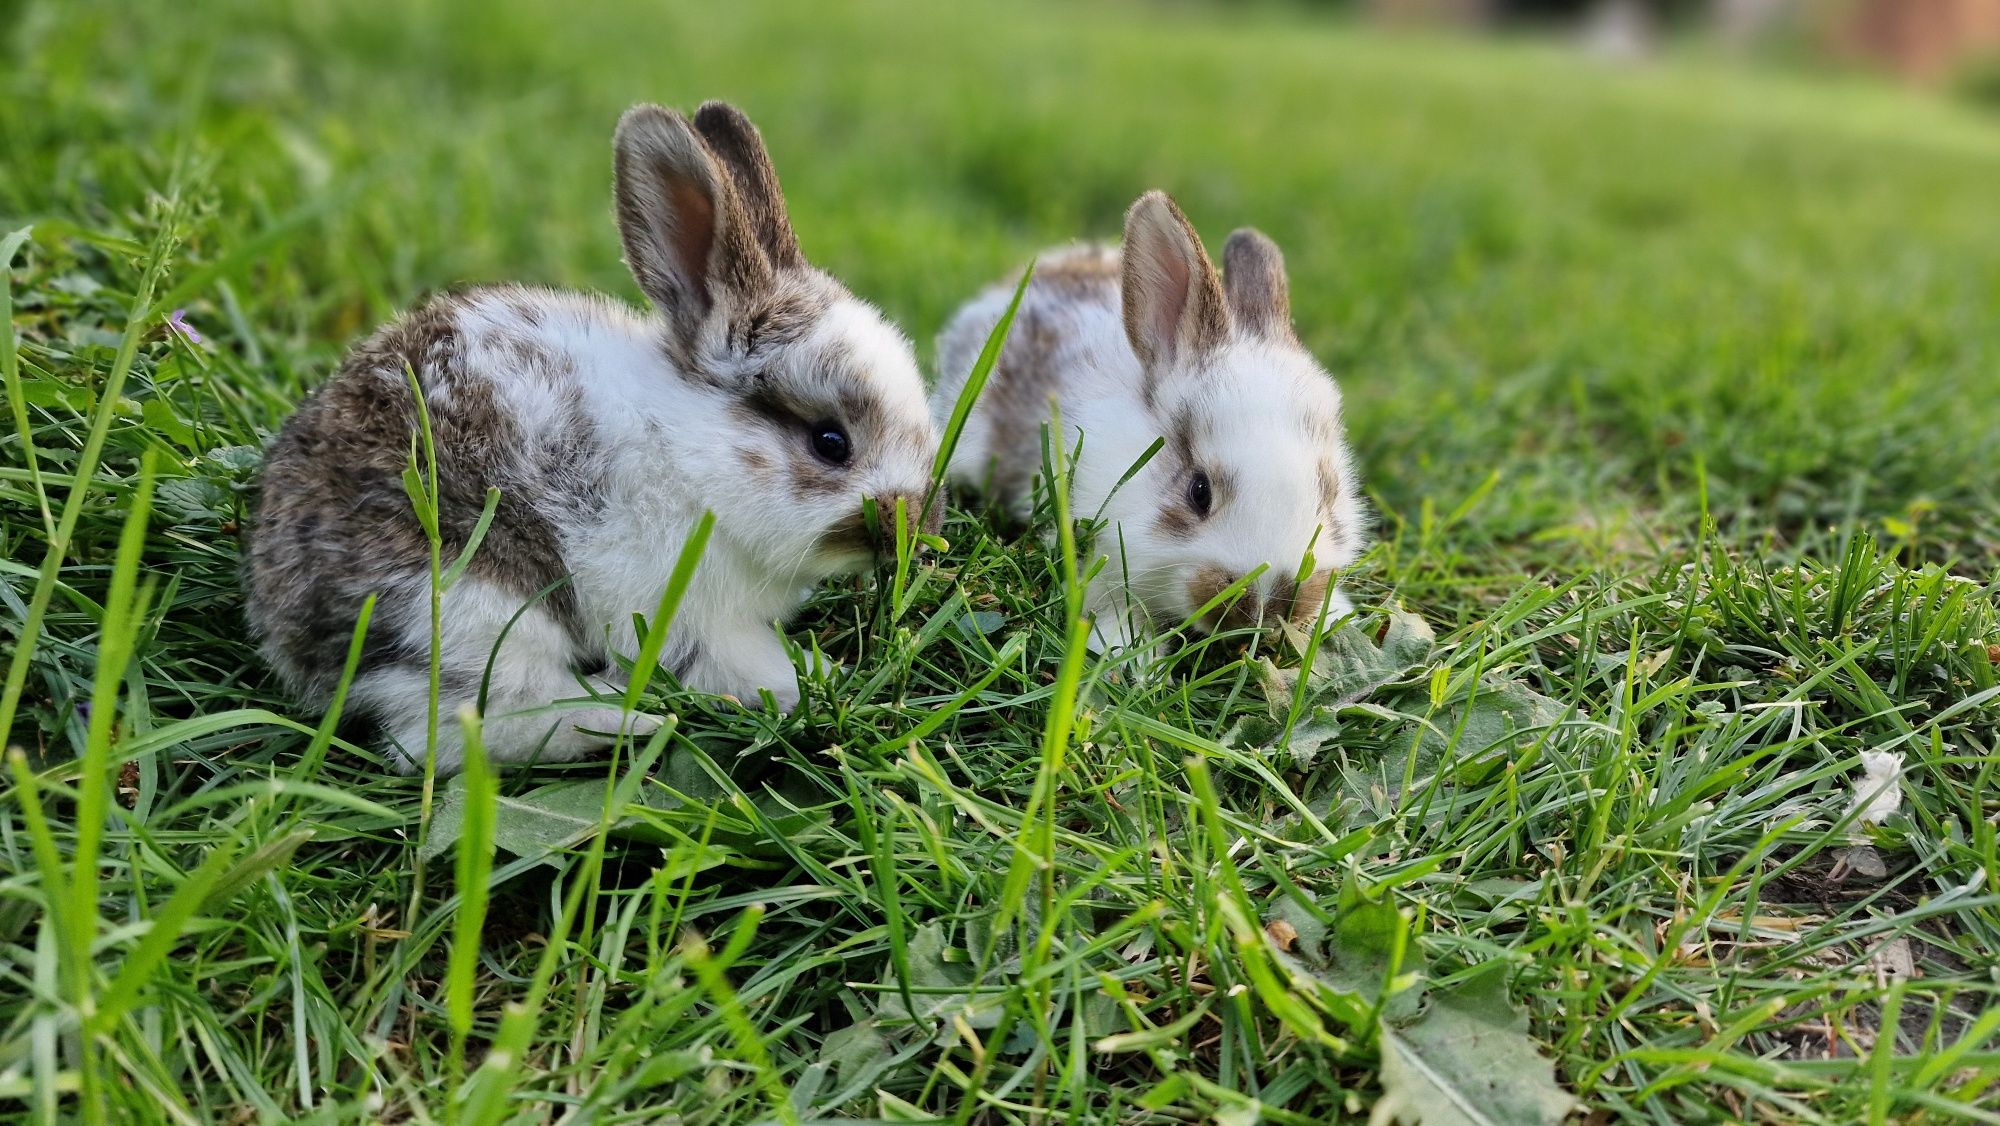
(1514, 258)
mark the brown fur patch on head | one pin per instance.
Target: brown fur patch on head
(1288, 600)
(1178, 520)
(1205, 584)
(1182, 431)
(785, 404)
(850, 533)
(783, 316)
(760, 326)
(810, 477)
(855, 532)
(784, 422)
(1081, 274)
(1254, 277)
(863, 413)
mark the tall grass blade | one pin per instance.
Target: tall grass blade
(85, 471)
(10, 381)
(975, 383)
(475, 867)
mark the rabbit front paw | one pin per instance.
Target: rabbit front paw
(744, 668)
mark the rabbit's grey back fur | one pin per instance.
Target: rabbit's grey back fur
(336, 524)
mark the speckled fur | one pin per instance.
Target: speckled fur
(608, 433)
(334, 515)
(1146, 343)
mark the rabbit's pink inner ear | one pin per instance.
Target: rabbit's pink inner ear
(691, 235)
(1159, 286)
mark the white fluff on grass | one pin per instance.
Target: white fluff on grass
(1879, 791)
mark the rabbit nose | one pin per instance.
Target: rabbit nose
(1302, 601)
(932, 508)
(1266, 602)
(922, 509)
(1296, 602)
(1245, 607)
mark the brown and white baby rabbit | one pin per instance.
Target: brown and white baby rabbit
(1150, 344)
(758, 388)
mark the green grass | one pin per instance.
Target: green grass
(1675, 391)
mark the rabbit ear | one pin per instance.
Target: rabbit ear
(1173, 301)
(1253, 273)
(687, 238)
(740, 149)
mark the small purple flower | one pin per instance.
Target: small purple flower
(178, 322)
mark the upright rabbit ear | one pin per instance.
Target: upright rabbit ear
(737, 144)
(687, 238)
(1174, 308)
(1253, 273)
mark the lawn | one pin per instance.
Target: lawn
(1676, 392)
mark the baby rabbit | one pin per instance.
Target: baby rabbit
(1147, 345)
(758, 389)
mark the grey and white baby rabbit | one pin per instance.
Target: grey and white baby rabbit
(758, 388)
(1145, 343)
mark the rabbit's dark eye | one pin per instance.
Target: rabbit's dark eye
(1200, 495)
(830, 443)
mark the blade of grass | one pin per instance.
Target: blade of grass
(975, 382)
(162, 934)
(124, 609)
(1033, 845)
(648, 661)
(711, 969)
(87, 462)
(475, 866)
(10, 379)
(473, 541)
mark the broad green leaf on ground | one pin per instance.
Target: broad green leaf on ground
(239, 462)
(1355, 960)
(543, 820)
(1310, 736)
(1374, 678)
(681, 807)
(1468, 1061)
(1352, 662)
(853, 1058)
(194, 498)
(937, 986)
(1499, 716)
(980, 623)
